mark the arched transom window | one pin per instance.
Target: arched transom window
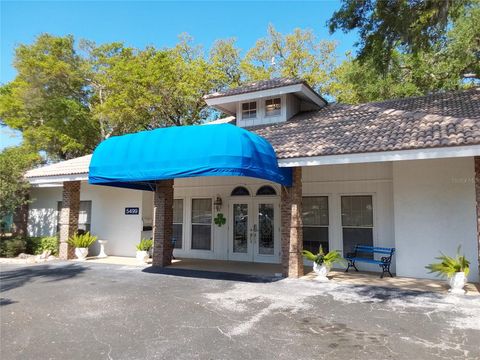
(240, 191)
(266, 190)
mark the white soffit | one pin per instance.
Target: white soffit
(399, 155)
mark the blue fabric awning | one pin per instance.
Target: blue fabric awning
(136, 160)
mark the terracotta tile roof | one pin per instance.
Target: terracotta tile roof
(68, 167)
(257, 86)
(439, 120)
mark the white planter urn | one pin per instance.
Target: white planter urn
(321, 271)
(142, 257)
(81, 253)
(457, 283)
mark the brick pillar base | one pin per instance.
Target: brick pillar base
(292, 235)
(477, 196)
(163, 223)
(69, 217)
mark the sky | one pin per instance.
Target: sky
(157, 23)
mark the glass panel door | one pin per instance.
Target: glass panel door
(266, 231)
(240, 231)
(240, 228)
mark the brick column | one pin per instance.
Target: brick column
(163, 223)
(291, 218)
(20, 220)
(477, 197)
(69, 217)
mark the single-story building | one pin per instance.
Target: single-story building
(403, 173)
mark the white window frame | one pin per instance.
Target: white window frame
(329, 226)
(374, 219)
(279, 110)
(249, 110)
(192, 223)
(183, 224)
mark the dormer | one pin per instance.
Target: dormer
(267, 101)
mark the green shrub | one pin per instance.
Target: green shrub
(448, 266)
(328, 259)
(11, 247)
(39, 244)
(82, 240)
(145, 245)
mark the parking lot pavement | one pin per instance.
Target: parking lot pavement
(69, 310)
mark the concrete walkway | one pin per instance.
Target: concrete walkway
(275, 270)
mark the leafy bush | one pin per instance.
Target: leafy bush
(145, 245)
(11, 247)
(82, 240)
(37, 245)
(448, 266)
(321, 258)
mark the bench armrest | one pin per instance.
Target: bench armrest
(350, 255)
(386, 259)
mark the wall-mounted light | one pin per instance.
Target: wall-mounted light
(218, 203)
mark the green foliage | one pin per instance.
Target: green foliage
(448, 266)
(144, 245)
(48, 99)
(11, 247)
(220, 220)
(406, 25)
(298, 54)
(82, 240)
(332, 257)
(37, 245)
(13, 187)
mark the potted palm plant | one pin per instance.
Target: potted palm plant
(322, 263)
(81, 243)
(143, 247)
(455, 269)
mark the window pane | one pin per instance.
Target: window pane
(266, 190)
(84, 216)
(357, 211)
(240, 228)
(313, 237)
(178, 235)
(265, 229)
(240, 191)
(202, 211)
(272, 107)
(178, 211)
(315, 210)
(249, 110)
(356, 236)
(201, 235)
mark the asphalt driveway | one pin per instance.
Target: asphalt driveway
(97, 311)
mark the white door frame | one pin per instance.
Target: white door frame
(252, 254)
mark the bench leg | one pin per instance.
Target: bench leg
(351, 264)
(385, 269)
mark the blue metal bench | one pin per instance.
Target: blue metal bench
(384, 261)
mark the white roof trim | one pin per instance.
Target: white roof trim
(49, 180)
(256, 94)
(416, 154)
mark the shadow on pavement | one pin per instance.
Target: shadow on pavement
(15, 278)
(211, 275)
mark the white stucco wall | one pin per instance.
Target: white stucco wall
(434, 211)
(42, 215)
(108, 219)
(373, 179)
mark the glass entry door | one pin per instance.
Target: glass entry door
(254, 230)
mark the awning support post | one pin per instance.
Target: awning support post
(162, 223)
(291, 222)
